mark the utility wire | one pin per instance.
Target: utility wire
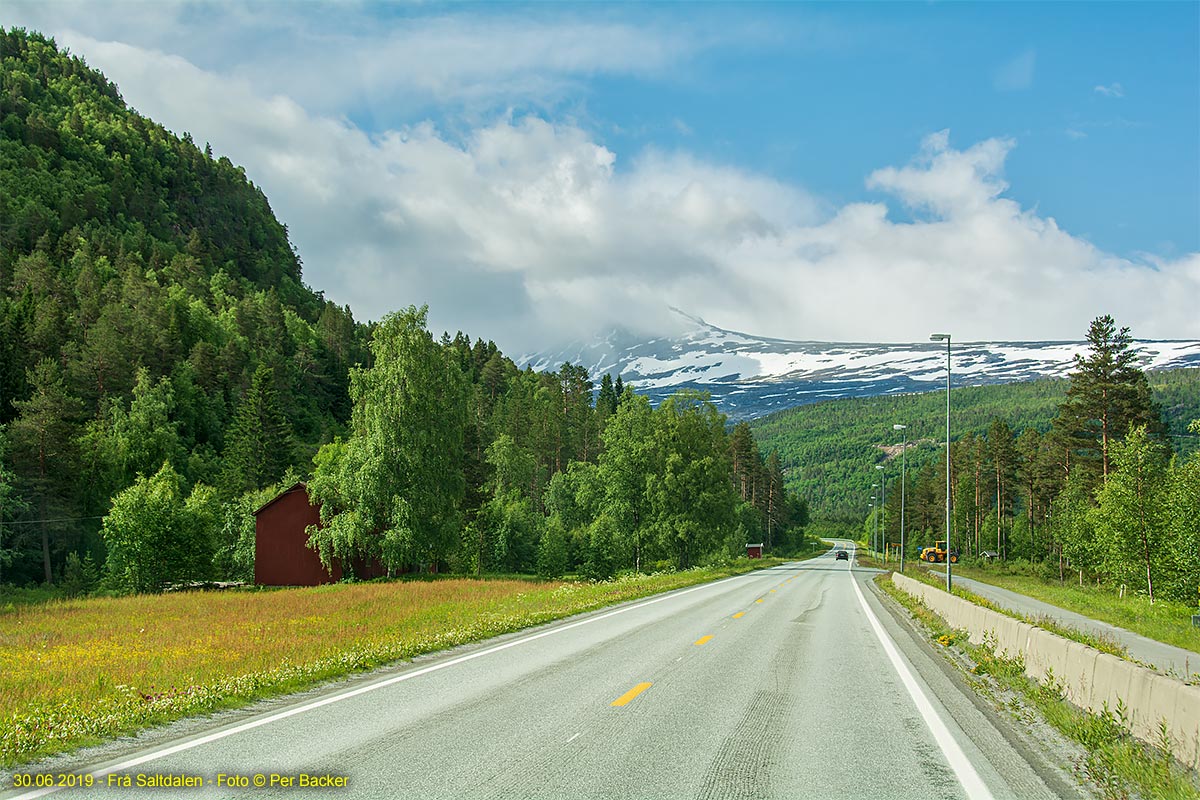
(37, 521)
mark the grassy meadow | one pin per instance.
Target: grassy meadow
(73, 672)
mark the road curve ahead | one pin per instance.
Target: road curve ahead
(791, 682)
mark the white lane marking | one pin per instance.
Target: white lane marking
(573, 738)
(972, 784)
(291, 712)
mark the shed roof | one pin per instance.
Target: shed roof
(280, 496)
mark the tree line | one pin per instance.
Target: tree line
(1100, 496)
(164, 371)
(457, 457)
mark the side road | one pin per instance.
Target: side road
(1162, 657)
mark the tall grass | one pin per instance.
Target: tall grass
(75, 671)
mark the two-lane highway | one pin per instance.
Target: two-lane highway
(787, 682)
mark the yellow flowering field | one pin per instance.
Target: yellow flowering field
(76, 671)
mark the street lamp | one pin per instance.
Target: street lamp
(872, 512)
(875, 523)
(903, 452)
(945, 337)
(882, 512)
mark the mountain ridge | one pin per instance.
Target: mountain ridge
(749, 376)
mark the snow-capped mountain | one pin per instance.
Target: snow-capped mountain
(749, 376)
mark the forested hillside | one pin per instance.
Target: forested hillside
(143, 283)
(164, 369)
(829, 449)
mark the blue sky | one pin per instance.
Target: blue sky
(819, 171)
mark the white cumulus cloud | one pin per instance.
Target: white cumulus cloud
(529, 230)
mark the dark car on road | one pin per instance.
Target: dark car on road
(842, 555)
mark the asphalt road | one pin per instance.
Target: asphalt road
(789, 682)
(1163, 657)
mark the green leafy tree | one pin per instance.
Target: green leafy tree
(122, 444)
(691, 496)
(1129, 523)
(631, 456)
(155, 536)
(392, 490)
(234, 548)
(513, 528)
(554, 550)
(602, 557)
(1072, 528)
(1180, 555)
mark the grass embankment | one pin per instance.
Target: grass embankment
(1164, 621)
(1098, 641)
(1119, 765)
(75, 672)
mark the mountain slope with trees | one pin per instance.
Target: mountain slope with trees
(146, 290)
(830, 448)
(1086, 477)
(164, 370)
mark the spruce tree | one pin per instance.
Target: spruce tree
(259, 445)
(606, 402)
(1108, 395)
(44, 444)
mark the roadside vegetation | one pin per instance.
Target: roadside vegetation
(1099, 491)
(74, 672)
(1164, 621)
(1105, 644)
(1116, 765)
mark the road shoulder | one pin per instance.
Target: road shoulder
(985, 719)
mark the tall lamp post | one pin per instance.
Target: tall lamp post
(945, 337)
(882, 511)
(903, 452)
(872, 507)
(875, 523)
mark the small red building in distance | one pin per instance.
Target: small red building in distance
(754, 550)
(282, 556)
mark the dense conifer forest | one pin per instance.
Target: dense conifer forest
(164, 370)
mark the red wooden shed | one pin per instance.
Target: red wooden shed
(282, 556)
(754, 550)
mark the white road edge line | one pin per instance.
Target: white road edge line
(291, 712)
(972, 784)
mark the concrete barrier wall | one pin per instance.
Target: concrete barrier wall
(1089, 679)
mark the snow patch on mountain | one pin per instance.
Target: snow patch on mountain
(749, 376)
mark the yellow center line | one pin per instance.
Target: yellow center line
(772, 591)
(632, 693)
(703, 640)
(759, 600)
(739, 615)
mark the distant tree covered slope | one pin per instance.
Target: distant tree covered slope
(828, 449)
(143, 286)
